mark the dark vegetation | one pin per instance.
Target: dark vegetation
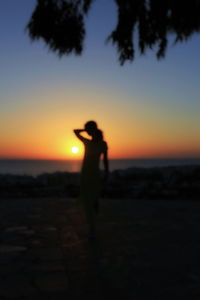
(180, 182)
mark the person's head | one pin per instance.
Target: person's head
(91, 127)
(98, 135)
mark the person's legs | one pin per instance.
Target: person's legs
(90, 218)
(96, 207)
(90, 190)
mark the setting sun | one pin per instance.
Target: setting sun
(75, 150)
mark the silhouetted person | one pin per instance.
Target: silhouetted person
(90, 185)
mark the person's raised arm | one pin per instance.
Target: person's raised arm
(79, 136)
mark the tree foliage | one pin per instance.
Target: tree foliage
(60, 23)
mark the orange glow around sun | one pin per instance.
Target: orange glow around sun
(70, 148)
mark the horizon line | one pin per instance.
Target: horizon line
(114, 158)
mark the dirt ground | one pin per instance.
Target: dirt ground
(144, 250)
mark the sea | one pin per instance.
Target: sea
(35, 167)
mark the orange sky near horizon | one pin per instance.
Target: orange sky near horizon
(35, 132)
(63, 150)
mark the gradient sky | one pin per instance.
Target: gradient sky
(147, 108)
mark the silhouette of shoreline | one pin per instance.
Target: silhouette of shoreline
(36, 167)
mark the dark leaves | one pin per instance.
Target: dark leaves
(60, 23)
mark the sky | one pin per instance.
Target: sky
(146, 109)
